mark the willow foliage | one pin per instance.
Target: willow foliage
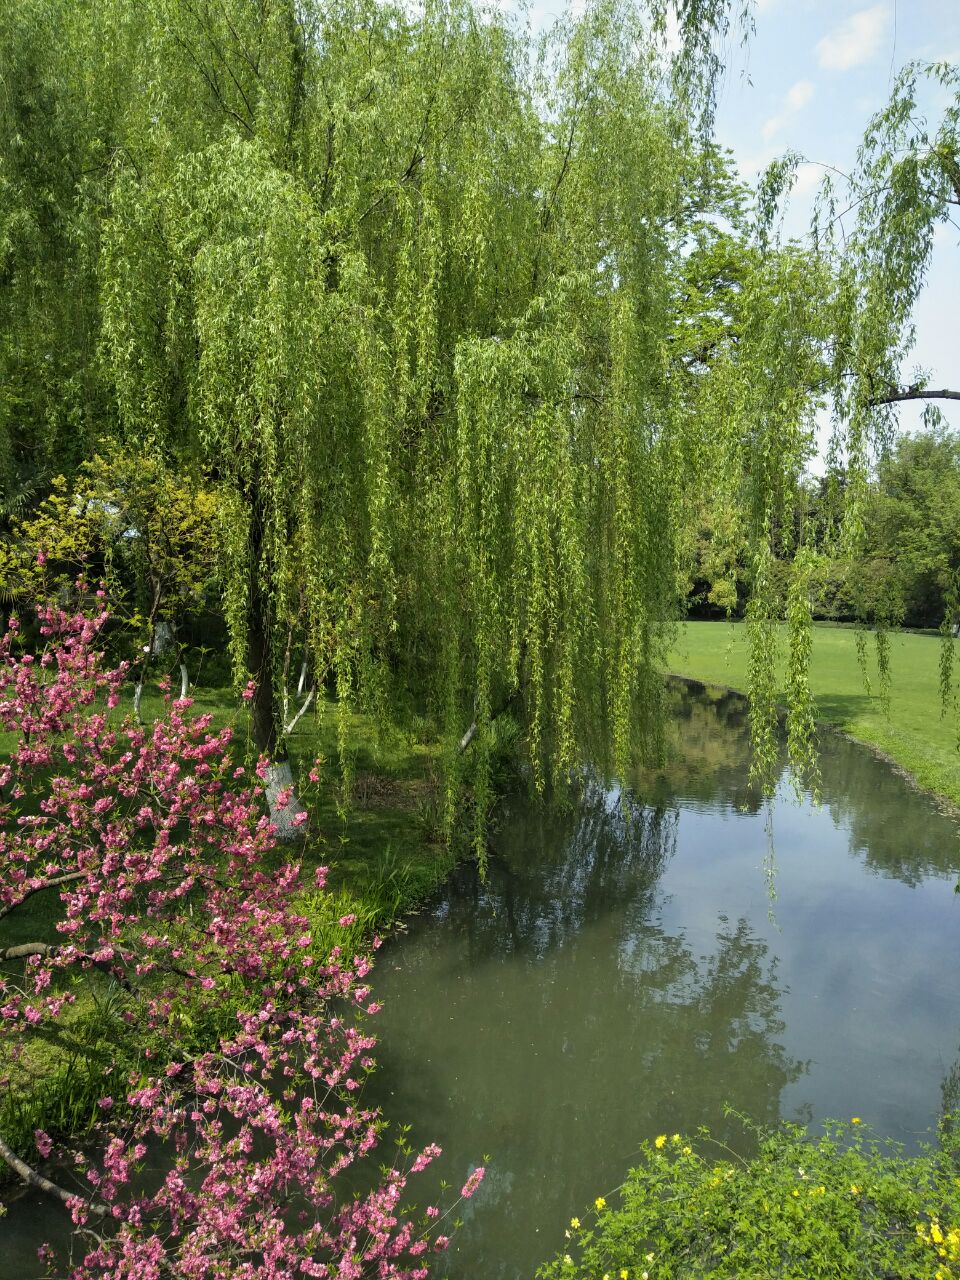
(461, 327)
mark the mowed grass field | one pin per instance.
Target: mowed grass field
(913, 730)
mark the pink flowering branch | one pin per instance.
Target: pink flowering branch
(170, 888)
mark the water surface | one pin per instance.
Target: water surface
(623, 972)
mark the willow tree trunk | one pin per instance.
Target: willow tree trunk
(281, 796)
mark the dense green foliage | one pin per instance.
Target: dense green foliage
(457, 328)
(467, 333)
(913, 522)
(840, 1205)
(906, 571)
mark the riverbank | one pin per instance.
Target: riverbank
(385, 853)
(912, 731)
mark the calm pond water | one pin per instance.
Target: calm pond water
(618, 978)
(623, 972)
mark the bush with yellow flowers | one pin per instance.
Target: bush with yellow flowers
(843, 1204)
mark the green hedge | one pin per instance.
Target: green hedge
(841, 1205)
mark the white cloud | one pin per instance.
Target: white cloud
(799, 95)
(795, 99)
(855, 40)
(673, 41)
(807, 179)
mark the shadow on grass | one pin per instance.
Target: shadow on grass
(842, 708)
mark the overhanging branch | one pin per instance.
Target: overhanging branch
(38, 1181)
(47, 884)
(897, 394)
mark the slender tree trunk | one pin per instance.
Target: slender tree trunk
(304, 708)
(148, 652)
(138, 689)
(264, 708)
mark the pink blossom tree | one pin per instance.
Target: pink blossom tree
(245, 1034)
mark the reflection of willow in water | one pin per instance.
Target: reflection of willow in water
(552, 1007)
(556, 872)
(708, 750)
(896, 828)
(709, 762)
(950, 1098)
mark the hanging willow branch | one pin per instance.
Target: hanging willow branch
(460, 330)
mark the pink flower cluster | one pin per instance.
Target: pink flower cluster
(174, 896)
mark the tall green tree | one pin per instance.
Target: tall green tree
(440, 314)
(913, 521)
(63, 80)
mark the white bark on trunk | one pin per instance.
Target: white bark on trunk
(137, 695)
(302, 685)
(184, 680)
(307, 703)
(280, 778)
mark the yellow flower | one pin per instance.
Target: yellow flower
(855, 1120)
(644, 1275)
(936, 1235)
(675, 1139)
(659, 1142)
(687, 1150)
(575, 1223)
(624, 1273)
(599, 1203)
(854, 1189)
(650, 1257)
(795, 1192)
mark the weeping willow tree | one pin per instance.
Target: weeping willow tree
(49, 394)
(460, 326)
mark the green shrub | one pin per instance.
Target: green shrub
(842, 1205)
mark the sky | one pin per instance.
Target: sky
(808, 80)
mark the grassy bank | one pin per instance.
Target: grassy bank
(912, 730)
(385, 855)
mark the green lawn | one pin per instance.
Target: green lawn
(912, 731)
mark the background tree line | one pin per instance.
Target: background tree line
(907, 568)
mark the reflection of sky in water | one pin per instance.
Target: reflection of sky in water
(617, 978)
(868, 964)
